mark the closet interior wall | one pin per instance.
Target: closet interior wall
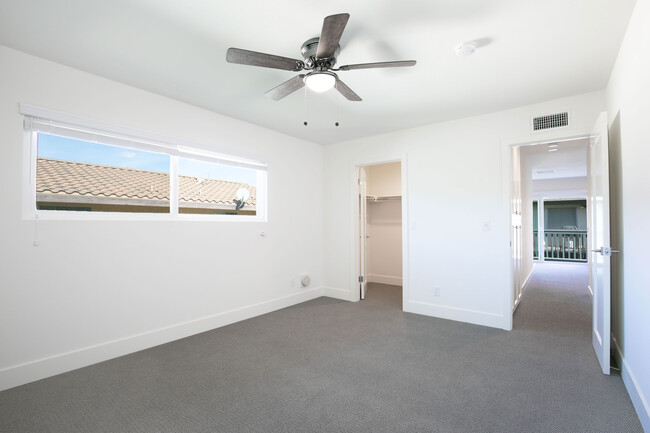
(384, 224)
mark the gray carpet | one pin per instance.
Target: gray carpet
(333, 366)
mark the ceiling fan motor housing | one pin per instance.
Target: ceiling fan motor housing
(308, 51)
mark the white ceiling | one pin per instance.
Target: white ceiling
(529, 51)
(569, 159)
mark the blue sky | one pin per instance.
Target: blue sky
(56, 147)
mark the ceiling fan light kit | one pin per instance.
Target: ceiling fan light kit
(320, 81)
(319, 56)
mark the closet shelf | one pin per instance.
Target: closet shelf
(383, 197)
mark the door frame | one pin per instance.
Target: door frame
(354, 201)
(507, 146)
(362, 193)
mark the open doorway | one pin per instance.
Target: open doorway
(553, 216)
(598, 248)
(554, 191)
(380, 232)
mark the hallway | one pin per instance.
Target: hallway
(557, 299)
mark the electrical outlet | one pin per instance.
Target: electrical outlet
(436, 291)
(293, 282)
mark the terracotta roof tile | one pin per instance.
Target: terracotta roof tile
(56, 176)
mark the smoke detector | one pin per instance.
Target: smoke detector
(465, 49)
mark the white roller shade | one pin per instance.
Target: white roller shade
(56, 123)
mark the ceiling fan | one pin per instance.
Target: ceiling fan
(319, 59)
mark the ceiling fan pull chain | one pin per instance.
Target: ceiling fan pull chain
(305, 122)
(338, 103)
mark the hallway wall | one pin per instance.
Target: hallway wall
(628, 105)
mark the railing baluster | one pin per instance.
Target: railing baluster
(564, 245)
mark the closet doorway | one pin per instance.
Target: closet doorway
(380, 229)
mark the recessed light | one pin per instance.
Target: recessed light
(553, 145)
(465, 49)
(553, 150)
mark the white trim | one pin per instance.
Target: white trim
(336, 293)
(384, 279)
(458, 314)
(406, 223)
(41, 368)
(527, 280)
(523, 288)
(174, 186)
(53, 215)
(639, 400)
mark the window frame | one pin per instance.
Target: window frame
(37, 119)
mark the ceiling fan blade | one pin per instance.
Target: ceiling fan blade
(395, 64)
(346, 91)
(253, 58)
(330, 35)
(286, 88)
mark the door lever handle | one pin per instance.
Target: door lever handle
(606, 251)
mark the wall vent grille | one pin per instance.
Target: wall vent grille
(549, 121)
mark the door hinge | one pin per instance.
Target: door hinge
(361, 278)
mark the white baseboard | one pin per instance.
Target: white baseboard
(61, 363)
(639, 400)
(337, 293)
(457, 314)
(527, 280)
(523, 289)
(384, 279)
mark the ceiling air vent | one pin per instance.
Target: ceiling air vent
(549, 121)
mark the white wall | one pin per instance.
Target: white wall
(92, 290)
(628, 106)
(384, 247)
(456, 177)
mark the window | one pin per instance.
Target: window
(85, 170)
(207, 187)
(76, 175)
(565, 215)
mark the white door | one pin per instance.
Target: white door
(363, 218)
(516, 229)
(598, 235)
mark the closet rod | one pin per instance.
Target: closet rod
(383, 198)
